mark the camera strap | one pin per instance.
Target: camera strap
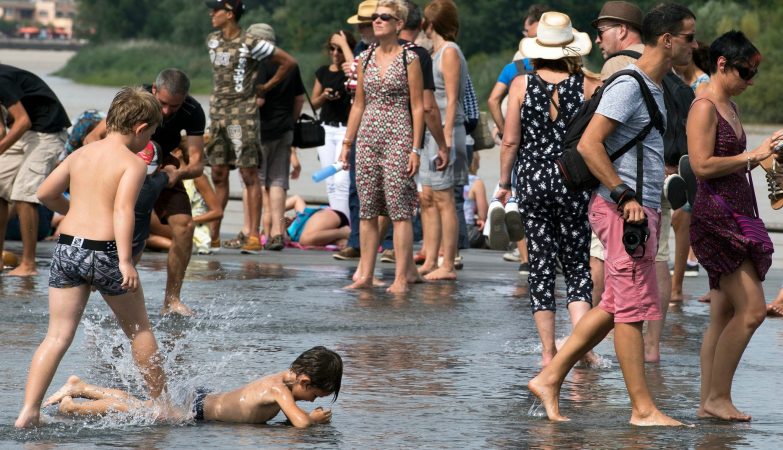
(639, 171)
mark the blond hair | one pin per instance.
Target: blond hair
(132, 106)
(398, 6)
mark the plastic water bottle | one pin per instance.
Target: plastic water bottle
(327, 172)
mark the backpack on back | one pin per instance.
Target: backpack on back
(576, 175)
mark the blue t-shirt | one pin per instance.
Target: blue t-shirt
(623, 103)
(511, 71)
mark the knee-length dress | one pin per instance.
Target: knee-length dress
(555, 218)
(384, 141)
(716, 238)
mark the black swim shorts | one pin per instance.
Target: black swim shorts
(198, 404)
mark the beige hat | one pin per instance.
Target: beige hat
(263, 31)
(366, 9)
(555, 39)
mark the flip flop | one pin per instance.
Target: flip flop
(498, 234)
(676, 191)
(690, 178)
(774, 172)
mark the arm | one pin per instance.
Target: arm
(97, 133)
(285, 64)
(319, 95)
(435, 125)
(50, 193)
(215, 210)
(450, 66)
(700, 129)
(499, 92)
(479, 193)
(124, 218)
(512, 136)
(298, 417)
(296, 165)
(355, 117)
(195, 167)
(340, 41)
(20, 126)
(416, 88)
(298, 104)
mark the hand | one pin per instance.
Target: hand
(346, 66)
(130, 278)
(503, 195)
(260, 101)
(496, 135)
(344, 155)
(670, 170)
(480, 223)
(413, 164)
(296, 169)
(633, 212)
(443, 159)
(339, 40)
(320, 415)
(172, 173)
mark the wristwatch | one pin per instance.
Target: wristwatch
(416, 151)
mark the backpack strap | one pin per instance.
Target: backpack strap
(542, 84)
(369, 55)
(629, 53)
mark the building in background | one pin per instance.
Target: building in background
(43, 19)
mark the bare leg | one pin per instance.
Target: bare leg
(430, 221)
(179, 256)
(597, 274)
(403, 254)
(776, 307)
(132, 316)
(28, 227)
(95, 407)
(444, 201)
(652, 340)
(277, 206)
(743, 291)
(629, 346)
(522, 247)
(250, 178)
(720, 314)
(589, 331)
(266, 214)
(577, 310)
(65, 310)
(545, 324)
(681, 222)
(368, 239)
(220, 180)
(323, 228)
(3, 225)
(75, 387)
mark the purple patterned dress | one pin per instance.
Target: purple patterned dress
(715, 236)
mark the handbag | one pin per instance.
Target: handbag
(308, 131)
(482, 136)
(751, 227)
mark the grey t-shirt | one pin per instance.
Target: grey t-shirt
(622, 102)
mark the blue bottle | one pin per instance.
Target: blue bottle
(327, 172)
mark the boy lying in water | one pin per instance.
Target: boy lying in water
(315, 373)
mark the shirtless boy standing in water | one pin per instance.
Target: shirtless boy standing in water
(94, 248)
(315, 373)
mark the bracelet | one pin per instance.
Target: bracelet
(504, 186)
(748, 163)
(347, 141)
(416, 151)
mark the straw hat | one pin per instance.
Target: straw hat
(555, 39)
(366, 8)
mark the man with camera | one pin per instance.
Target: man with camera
(625, 220)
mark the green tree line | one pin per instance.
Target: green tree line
(172, 33)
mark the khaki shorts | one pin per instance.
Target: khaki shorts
(234, 141)
(25, 165)
(276, 161)
(597, 249)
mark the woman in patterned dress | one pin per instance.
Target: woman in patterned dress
(388, 113)
(735, 264)
(555, 219)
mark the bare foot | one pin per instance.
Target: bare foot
(71, 388)
(441, 274)
(652, 353)
(357, 273)
(414, 277)
(66, 405)
(775, 309)
(590, 360)
(676, 297)
(426, 268)
(705, 298)
(549, 394)
(176, 307)
(655, 419)
(398, 287)
(28, 419)
(23, 270)
(702, 414)
(361, 283)
(725, 410)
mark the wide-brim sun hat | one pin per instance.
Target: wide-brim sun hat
(365, 10)
(556, 38)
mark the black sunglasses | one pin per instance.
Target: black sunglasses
(746, 73)
(385, 17)
(689, 37)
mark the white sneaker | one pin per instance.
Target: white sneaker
(516, 230)
(511, 256)
(498, 235)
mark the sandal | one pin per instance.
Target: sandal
(774, 180)
(236, 243)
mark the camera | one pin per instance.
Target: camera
(634, 235)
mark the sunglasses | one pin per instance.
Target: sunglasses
(335, 49)
(746, 73)
(385, 17)
(604, 29)
(689, 37)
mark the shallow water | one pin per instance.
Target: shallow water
(445, 367)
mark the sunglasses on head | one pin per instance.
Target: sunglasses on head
(385, 17)
(746, 73)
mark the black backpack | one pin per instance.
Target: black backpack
(576, 175)
(678, 97)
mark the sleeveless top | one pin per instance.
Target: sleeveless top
(440, 83)
(470, 204)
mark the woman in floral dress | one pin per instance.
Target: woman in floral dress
(388, 113)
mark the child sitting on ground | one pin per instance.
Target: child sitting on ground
(315, 373)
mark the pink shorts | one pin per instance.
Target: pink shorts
(630, 284)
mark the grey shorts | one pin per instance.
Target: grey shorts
(275, 161)
(74, 266)
(456, 174)
(25, 165)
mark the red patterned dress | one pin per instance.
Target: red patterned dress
(384, 142)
